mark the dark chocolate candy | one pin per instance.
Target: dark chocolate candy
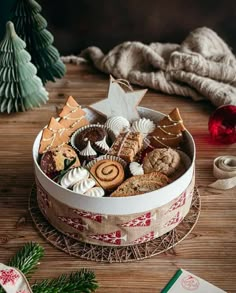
(92, 134)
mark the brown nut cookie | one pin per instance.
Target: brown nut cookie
(140, 184)
(164, 160)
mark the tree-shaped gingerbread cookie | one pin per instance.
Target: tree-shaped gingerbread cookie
(72, 116)
(168, 132)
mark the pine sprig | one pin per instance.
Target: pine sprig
(83, 281)
(27, 258)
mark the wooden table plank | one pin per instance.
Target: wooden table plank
(209, 251)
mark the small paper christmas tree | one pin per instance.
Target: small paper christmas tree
(20, 87)
(31, 27)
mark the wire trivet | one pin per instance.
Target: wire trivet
(115, 254)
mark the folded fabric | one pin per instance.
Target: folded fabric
(13, 281)
(202, 67)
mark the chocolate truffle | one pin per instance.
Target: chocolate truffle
(92, 133)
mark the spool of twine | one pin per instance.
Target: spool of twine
(224, 170)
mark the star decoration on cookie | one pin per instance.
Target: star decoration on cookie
(119, 102)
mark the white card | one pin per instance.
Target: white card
(185, 282)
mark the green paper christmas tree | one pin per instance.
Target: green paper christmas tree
(31, 27)
(20, 88)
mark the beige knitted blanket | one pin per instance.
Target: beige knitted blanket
(202, 67)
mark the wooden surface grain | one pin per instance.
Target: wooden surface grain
(209, 251)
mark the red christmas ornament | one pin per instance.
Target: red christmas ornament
(222, 124)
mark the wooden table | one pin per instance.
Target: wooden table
(209, 251)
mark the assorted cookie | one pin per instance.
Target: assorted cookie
(115, 159)
(127, 145)
(164, 160)
(56, 160)
(109, 174)
(168, 131)
(72, 117)
(141, 184)
(53, 136)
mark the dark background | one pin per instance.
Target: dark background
(77, 24)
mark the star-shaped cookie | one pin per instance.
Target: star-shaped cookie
(119, 102)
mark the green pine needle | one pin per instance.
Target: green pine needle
(27, 258)
(83, 281)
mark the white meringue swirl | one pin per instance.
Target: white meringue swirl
(136, 168)
(102, 144)
(88, 151)
(73, 176)
(143, 125)
(117, 124)
(95, 192)
(84, 185)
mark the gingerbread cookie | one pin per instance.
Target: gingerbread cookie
(168, 132)
(53, 136)
(72, 116)
(141, 184)
(164, 160)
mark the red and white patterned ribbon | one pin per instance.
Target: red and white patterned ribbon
(13, 281)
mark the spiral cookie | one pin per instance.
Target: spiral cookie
(109, 174)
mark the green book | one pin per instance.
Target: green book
(185, 282)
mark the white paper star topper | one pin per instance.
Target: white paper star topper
(119, 102)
